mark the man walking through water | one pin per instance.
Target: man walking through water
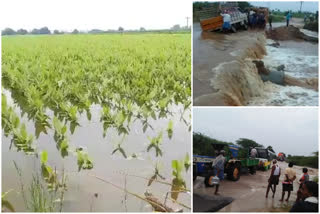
(274, 178)
(218, 168)
(287, 184)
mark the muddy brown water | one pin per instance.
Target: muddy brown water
(249, 191)
(224, 75)
(81, 187)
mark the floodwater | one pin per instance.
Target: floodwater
(81, 186)
(249, 192)
(223, 73)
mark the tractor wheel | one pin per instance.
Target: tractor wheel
(233, 28)
(208, 181)
(234, 173)
(252, 170)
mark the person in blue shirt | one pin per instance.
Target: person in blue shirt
(288, 17)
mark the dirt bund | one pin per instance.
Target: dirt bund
(237, 81)
(288, 33)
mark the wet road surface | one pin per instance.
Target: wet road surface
(249, 192)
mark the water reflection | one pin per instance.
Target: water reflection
(82, 188)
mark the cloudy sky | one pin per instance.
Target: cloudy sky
(89, 14)
(290, 130)
(311, 6)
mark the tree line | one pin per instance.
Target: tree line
(202, 145)
(46, 31)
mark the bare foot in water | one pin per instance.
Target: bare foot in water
(281, 200)
(287, 199)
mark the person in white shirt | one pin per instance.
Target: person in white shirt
(274, 178)
(226, 21)
(253, 152)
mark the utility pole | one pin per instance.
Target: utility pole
(301, 6)
(187, 21)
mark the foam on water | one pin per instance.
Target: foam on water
(297, 63)
(276, 95)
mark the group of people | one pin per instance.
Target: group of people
(307, 194)
(256, 20)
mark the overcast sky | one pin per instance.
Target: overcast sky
(311, 6)
(290, 130)
(89, 14)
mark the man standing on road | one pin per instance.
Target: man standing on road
(218, 167)
(287, 184)
(270, 20)
(288, 17)
(310, 202)
(274, 178)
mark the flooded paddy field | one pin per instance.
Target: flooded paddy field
(100, 124)
(249, 192)
(223, 72)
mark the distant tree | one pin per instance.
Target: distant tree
(75, 31)
(22, 31)
(56, 32)
(270, 149)
(142, 29)
(44, 30)
(247, 143)
(8, 31)
(243, 4)
(35, 31)
(175, 27)
(120, 29)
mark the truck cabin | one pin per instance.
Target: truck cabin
(262, 153)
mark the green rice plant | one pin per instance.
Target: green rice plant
(5, 204)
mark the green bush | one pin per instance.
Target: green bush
(310, 161)
(278, 18)
(316, 179)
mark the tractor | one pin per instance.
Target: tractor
(202, 164)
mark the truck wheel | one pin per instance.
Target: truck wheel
(234, 173)
(233, 28)
(208, 181)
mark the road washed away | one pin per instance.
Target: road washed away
(278, 68)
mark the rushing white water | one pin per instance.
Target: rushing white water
(297, 62)
(300, 61)
(276, 95)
